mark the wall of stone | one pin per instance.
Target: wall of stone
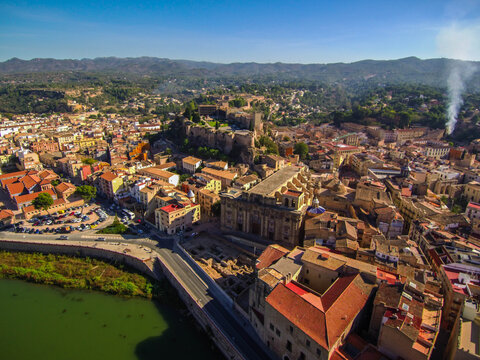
(240, 143)
(83, 251)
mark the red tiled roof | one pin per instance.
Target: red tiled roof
(30, 181)
(406, 192)
(293, 193)
(299, 312)
(271, 254)
(4, 214)
(171, 207)
(64, 186)
(15, 188)
(474, 205)
(21, 199)
(15, 174)
(324, 318)
(108, 176)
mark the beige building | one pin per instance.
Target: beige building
(436, 152)
(226, 177)
(472, 191)
(274, 209)
(176, 217)
(191, 164)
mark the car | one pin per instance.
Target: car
(194, 234)
(41, 232)
(37, 231)
(63, 237)
(100, 239)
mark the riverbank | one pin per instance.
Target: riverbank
(76, 273)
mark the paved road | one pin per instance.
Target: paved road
(225, 319)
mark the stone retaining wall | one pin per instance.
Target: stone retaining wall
(83, 251)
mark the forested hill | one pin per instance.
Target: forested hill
(408, 70)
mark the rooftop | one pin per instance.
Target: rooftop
(272, 183)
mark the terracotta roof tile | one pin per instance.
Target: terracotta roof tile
(271, 254)
(15, 188)
(108, 176)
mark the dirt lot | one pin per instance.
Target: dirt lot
(230, 266)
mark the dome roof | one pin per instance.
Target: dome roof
(315, 210)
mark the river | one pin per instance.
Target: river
(44, 322)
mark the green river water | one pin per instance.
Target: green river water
(40, 322)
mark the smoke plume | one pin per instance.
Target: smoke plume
(460, 43)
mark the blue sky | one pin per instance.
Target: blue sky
(237, 31)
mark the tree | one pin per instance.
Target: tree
(86, 192)
(301, 149)
(89, 161)
(43, 201)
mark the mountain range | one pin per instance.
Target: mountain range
(407, 70)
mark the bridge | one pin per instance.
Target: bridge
(233, 335)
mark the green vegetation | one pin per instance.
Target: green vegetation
(301, 149)
(89, 161)
(43, 201)
(86, 192)
(216, 124)
(272, 147)
(238, 102)
(184, 177)
(21, 100)
(115, 228)
(73, 272)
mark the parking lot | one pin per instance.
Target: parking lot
(82, 218)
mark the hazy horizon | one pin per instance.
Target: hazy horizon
(306, 32)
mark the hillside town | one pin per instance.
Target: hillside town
(333, 241)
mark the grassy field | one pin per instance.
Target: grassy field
(74, 272)
(212, 123)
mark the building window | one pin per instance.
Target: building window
(319, 352)
(271, 326)
(308, 342)
(278, 333)
(291, 329)
(302, 356)
(289, 345)
(307, 282)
